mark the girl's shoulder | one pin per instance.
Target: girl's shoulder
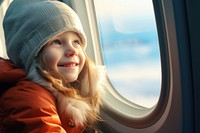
(27, 94)
(9, 73)
(31, 106)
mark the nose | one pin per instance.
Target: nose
(70, 50)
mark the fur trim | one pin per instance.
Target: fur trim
(74, 108)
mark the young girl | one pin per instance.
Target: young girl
(50, 84)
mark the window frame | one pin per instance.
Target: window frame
(3, 7)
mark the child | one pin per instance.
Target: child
(50, 83)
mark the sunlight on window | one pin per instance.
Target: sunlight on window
(3, 7)
(130, 48)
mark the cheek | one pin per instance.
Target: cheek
(52, 57)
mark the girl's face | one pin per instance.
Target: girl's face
(64, 54)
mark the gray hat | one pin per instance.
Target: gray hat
(29, 24)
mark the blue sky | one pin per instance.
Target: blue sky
(130, 48)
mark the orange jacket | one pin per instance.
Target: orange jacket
(26, 107)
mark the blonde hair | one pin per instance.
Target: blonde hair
(85, 88)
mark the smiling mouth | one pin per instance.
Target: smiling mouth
(72, 64)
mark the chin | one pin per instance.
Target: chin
(71, 79)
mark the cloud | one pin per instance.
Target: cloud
(128, 16)
(121, 72)
(120, 8)
(139, 83)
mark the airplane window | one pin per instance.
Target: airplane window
(130, 48)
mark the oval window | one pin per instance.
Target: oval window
(130, 48)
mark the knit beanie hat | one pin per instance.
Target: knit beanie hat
(29, 24)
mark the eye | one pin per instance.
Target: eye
(77, 42)
(56, 42)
